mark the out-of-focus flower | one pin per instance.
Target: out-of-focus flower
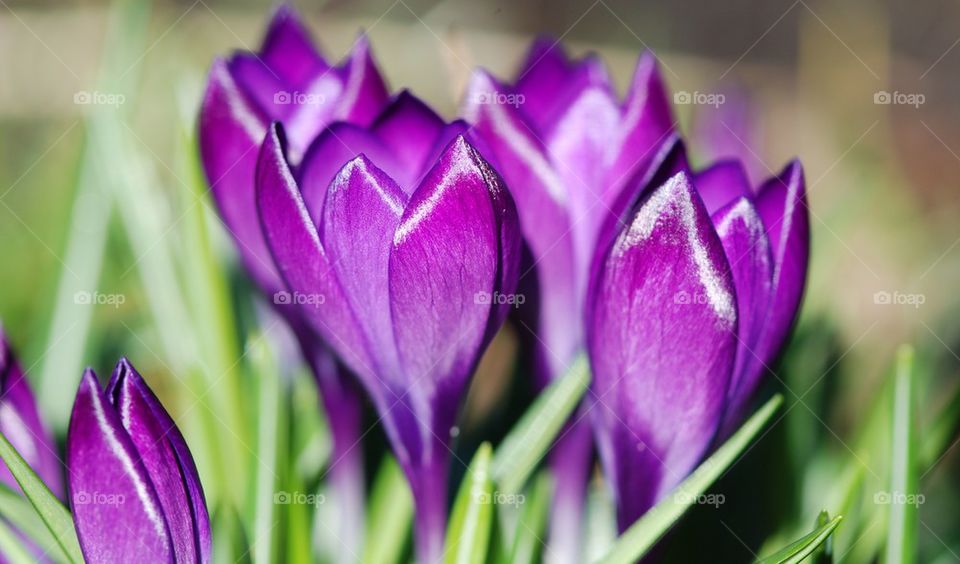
(289, 81)
(568, 149)
(406, 237)
(134, 490)
(20, 422)
(688, 304)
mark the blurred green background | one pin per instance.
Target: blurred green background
(110, 245)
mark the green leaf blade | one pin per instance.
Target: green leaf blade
(800, 549)
(471, 522)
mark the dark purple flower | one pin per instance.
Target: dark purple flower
(402, 233)
(688, 304)
(134, 490)
(569, 150)
(20, 422)
(290, 82)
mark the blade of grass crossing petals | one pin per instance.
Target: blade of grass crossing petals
(468, 531)
(643, 534)
(903, 496)
(802, 548)
(54, 515)
(528, 442)
(388, 516)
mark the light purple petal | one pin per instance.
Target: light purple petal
(362, 211)
(745, 243)
(167, 460)
(231, 130)
(782, 205)
(661, 321)
(303, 262)
(20, 422)
(721, 184)
(288, 49)
(115, 507)
(364, 90)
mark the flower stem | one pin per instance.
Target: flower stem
(570, 465)
(428, 484)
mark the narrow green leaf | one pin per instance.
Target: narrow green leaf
(528, 442)
(804, 547)
(12, 548)
(532, 523)
(642, 535)
(903, 497)
(389, 515)
(55, 516)
(269, 404)
(20, 513)
(468, 531)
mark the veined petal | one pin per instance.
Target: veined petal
(444, 268)
(745, 243)
(782, 204)
(288, 49)
(303, 262)
(722, 183)
(661, 324)
(115, 507)
(231, 129)
(20, 422)
(361, 214)
(167, 460)
(364, 90)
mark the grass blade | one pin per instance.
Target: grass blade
(468, 531)
(642, 535)
(903, 499)
(532, 523)
(389, 515)
(16, 510)
(12, 548)
(54, 515)
(804, 547)
(529, 441)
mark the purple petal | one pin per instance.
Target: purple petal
(231, 130)
(782, 205)
(721, 184)
(365, 92)
(167, 460)
(331, 151)
(742, 233)
(646, 122)
(115, 507)
(446, 262)
(362, 211)
(661, 336)
(410, 129)
(20, 422)
(288, 48)
(303, 262)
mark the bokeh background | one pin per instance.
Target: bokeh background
(110, 245)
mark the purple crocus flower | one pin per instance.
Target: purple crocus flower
(290, 82)
(134, 490)
(403, 233)
(688, 304)
(20, 423)
(568, 149)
